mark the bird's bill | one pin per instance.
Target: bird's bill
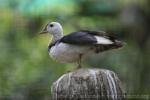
(43, 32)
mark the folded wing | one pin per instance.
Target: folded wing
(88, 38)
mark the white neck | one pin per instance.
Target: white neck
(56, 36)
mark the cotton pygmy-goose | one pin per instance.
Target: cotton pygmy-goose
(77, 45)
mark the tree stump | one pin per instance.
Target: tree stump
(88, 84)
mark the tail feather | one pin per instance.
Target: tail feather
(115, 45)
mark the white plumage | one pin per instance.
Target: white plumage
(103, 40)
(67, 53)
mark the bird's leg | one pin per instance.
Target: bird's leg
(79, 61)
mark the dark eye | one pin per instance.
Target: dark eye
(51, 25)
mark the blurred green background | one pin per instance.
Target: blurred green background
(27, 71)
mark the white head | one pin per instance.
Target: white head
(53, 28)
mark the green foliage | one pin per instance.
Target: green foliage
(26, 69)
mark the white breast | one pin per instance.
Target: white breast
(65, 53)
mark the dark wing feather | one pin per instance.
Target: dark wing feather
(85, 37)
(101, 33)
(79, 38)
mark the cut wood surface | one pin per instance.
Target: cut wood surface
(88, 84)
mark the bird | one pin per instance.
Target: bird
(74, 47)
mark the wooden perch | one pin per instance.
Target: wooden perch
(88, 84)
